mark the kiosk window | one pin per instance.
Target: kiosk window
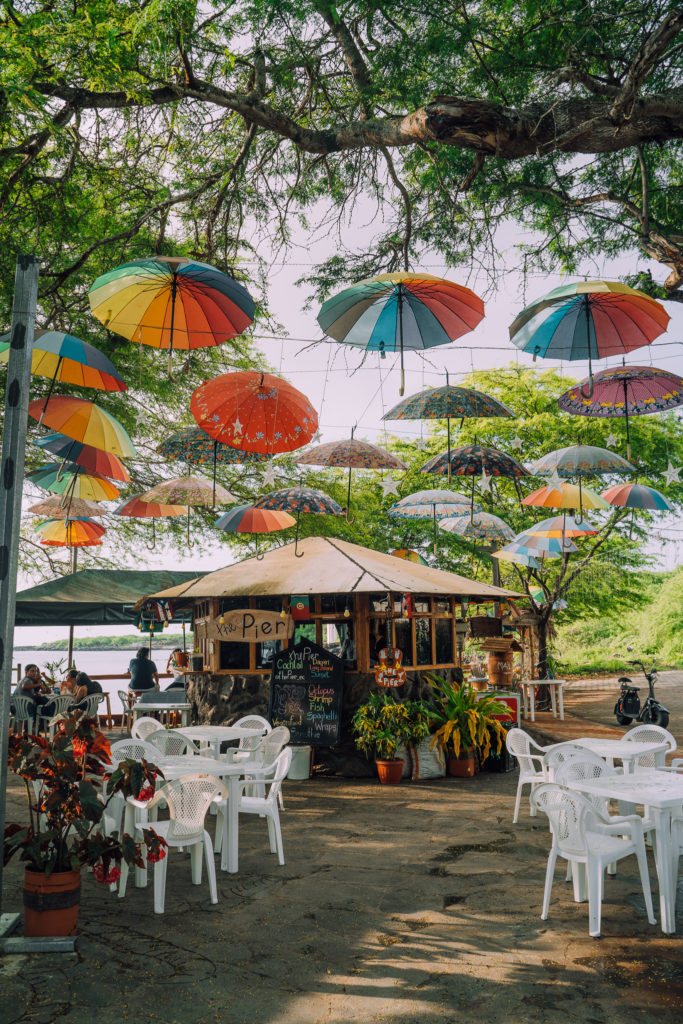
(265, 652)
(443, 629)
(403, 635)
(423, 641)
(234, 656)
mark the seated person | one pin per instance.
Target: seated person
(80, 685)
(32, 686)
(178, 664)
(143, 673)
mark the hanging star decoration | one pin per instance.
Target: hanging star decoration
(269, 475)
(672, 473)
(420, 444)
(611, 441)
(316, 437)
(237, 427)
(555, 482)
(485, 481)
(516, 442)
(389, 486)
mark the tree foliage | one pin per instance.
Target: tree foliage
(453, 117)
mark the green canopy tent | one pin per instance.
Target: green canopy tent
(95, 597)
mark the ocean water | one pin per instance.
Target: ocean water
(95, 663)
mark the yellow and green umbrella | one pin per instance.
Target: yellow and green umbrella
(85, 422)
(70, 533)
(73, 481)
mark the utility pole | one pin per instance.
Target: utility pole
(11, 483)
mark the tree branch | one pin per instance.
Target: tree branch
(651, 51)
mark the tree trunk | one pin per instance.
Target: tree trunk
(543, 698)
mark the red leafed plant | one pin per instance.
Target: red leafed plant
(64, 780)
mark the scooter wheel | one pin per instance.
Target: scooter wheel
(660, 718)
(622, 719)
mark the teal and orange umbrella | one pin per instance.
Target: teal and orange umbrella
(296, 500)
(637, 496)
(588, 320)
(171, 302)
(399, 311)
(249, 519)
(73, 481)
(63, 357)
(70, 533)
(84, 421)
(92, 460)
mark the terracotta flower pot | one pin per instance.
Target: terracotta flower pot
(51, 904)
(464, 766)
(389, 772)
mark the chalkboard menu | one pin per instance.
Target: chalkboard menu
(306, 694)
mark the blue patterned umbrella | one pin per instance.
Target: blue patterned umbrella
(432, 504)
(481, 526)
(297, 500)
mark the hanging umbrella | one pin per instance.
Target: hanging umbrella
(518, 557)
(482, 526)
(171, 302)
(188, 490)
(70, 533)
(637, 496)
(193, 446)
(85, 422)
(136, 508)
(254, 412)
(474, 460)
(352, 454)
(566, 496)
(73, 481)
(394, 312)
(431, 504)
(249, 519)
(539, 597)
(61, 508)
(545, 545)
(580, 460)
(588, 320)
(535, 553)
(560, 526)
(297, 500)
(93, 460)
(625, 391)
(62, 357)
(447, 403)
(409, 555)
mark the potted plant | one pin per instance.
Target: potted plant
(464, 723)
(380, 725)
(64, 780)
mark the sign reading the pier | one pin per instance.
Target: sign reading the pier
(306, 694)
(248, 626)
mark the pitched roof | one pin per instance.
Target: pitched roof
(331, 566)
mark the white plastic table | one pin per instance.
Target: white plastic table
(627, 751)
(660, 792)
(554, 685)
(144, 709)
(217, 734)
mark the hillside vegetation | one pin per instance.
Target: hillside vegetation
(653, 628)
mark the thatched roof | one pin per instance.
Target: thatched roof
(332, 566)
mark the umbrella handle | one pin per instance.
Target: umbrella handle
(259, 557)
(349, 517)
(152, 546)
(589, 393)
(296, 537)
(190, 543)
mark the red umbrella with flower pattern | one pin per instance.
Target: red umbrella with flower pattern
(255, 412)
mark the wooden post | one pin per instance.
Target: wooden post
(70, 655)
(11, 482)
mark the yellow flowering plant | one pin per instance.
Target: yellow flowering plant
(464, 718)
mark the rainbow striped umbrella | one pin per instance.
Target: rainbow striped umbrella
(588, 320)
(566, 496)
(93, 460)
(86, 422)
(70, 533)
(74, 481)
(171, 302)
(409, 555)
(63, 357)
(560, 526)
(394, 312)
(637, 496)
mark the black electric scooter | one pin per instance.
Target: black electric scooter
(628, 707)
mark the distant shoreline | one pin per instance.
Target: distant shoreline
(111, 643)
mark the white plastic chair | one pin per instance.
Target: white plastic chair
(188, 801)
(23, 716)
(134, 749)
(266, 753)
(91, 704)
(582, 836)
(143, 727)
(651, 734)
(559, 754)
(171, 743)
(126, 709)
(248, 743)
(61, 705)
(265, 806)
(531, 768)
